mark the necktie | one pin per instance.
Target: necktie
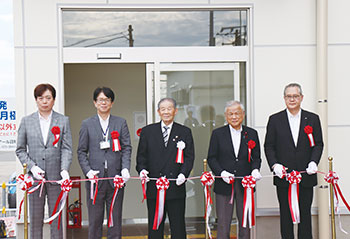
(165, 135)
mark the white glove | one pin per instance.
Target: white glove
(226, 176)
(256, 174)
(279, 170)
(144, 174)
(37, 172)
(125, 174)
(312, 168)
(180, 179)
(64, 175)
(92, 173)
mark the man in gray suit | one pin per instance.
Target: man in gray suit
(46, 154)
(98, 156)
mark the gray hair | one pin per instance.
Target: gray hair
(234, 102)
(167, 99)
(292, 85)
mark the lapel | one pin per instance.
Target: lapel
(54, 122)
(36, 125)
(98, 128)
(244, 141)
(303, 123)
(228, 138)
(286, 128)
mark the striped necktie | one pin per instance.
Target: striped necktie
(165, 135)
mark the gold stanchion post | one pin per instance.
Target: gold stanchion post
(25, 207)
(205, 219)
(331, 190)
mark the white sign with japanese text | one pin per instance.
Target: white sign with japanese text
(8, 127)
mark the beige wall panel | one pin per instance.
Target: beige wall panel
(275, 67)
(40, 23)
(19, 83)
(338, 21)
(338, 85)
(17, 23)
(41, 67)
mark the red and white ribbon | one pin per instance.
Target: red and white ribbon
(333, 178)
(66, 186)
(248, 183)
(143, 184)
(93, 195)
(180, 154)
(56, 132)
(118, 184)
(24, 182)
(251, 145)
(162, 185)
(308, 130)
(232, 182)
(207, 180)
(294, 178)
(115, 141)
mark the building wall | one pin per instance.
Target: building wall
(284, 50)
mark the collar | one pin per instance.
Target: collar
(290, 116)
(162, 124)
(102, 120)
(42, 118)
(235, 131)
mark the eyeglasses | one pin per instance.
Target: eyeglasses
(105, 100)
(294, 97)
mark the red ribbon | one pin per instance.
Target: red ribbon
(118, 183)
(162, 185)
(25, 182)
(333, 178)
(207, 180)
(143, 184)
(232, 182)
(248, 183)
(294, 178)
(66, 186)
(308, 130)
(251, 145)
(56, 132)
(115, 139)
(93, 195)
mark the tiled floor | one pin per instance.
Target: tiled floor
(139, 231)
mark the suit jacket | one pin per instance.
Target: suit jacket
(280, 147)
(32, 150)
(221, 156)
(159, 160)
(92, 157)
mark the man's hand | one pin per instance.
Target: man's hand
(180, 179)
(144, 175)
(279, 170)
(64, 175)
(256, 174)
(92, 173)
(125, 174)
(226, 176)
(37, 172)
(312, 168)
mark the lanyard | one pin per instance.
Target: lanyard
(105, 133)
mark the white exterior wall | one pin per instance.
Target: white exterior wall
(284, 51)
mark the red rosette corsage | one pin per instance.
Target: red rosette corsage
(56, 132)
(138, 132)
(115, 140)
(308, 130)
(251, 145)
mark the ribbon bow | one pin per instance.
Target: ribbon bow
(207, 180)
(308, 130)
(294, 178)
(56, 132)
(118, 182)
(66, 186)
(25, 182)
(248, 182)
(180, 155)
(162, 185)
(115, 139)
(251, 145)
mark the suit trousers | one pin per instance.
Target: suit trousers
(36, 207)
(224, 212)
(175, 208)
(305, 201)
(96, 212)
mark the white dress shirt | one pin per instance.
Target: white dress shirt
(104, 125)
(294, 124)
(45, 126)
(236, 139)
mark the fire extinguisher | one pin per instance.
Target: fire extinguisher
(73, 216)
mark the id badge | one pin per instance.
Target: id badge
(104, 145)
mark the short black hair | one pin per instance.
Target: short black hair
(106, 91)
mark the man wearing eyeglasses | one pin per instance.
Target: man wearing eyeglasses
(44, 143)
(101, 155)
(294, 142)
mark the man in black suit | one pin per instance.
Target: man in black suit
(156, 157)
(288, 148)
(228, 157)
